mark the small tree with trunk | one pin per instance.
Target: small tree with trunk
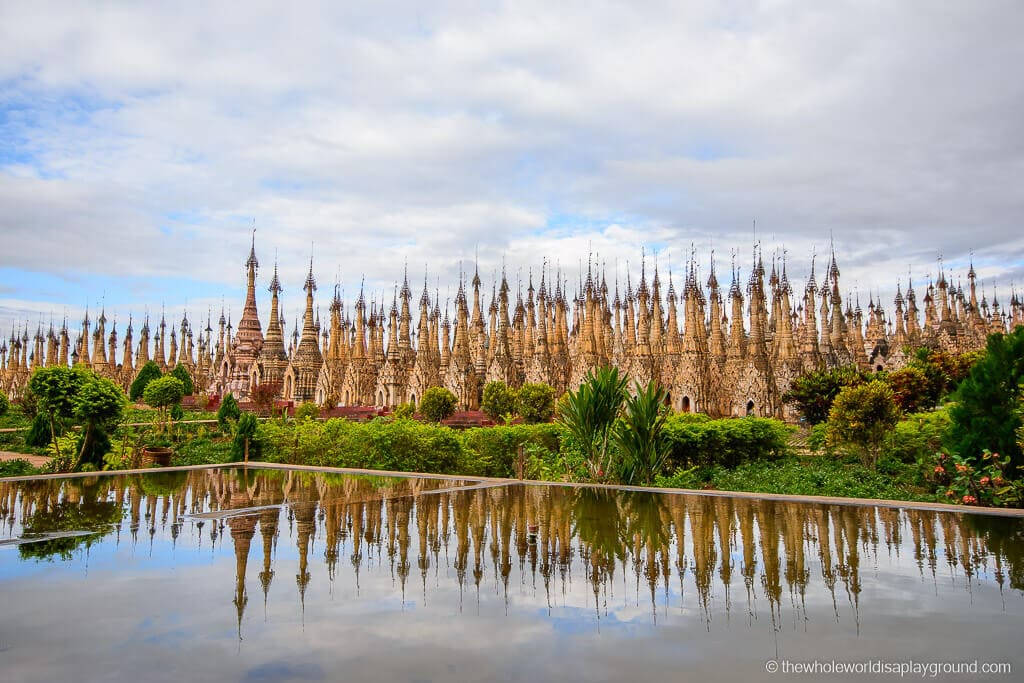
(99, 404)
(163, 393)
(228, 411)
(245, 442)
(55, 389)
(863, 415)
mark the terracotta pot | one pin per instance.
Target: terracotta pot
(156, 455)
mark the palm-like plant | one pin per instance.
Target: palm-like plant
(590, 411)
(639, 435)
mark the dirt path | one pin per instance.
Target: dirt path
(34, 460)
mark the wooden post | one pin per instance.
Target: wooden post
(246, 450)
(520, 464)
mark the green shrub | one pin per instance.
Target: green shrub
(228, 411)
(699, 441)
(535, 402)
(403, 411)
(499, 401)
(307, 409)
(917, 436)
(589, 414)
(911, 389)
(147, 373)
(177, 413)
(38, 435)
(491, 451)
(863, 415)
(437, 404)
(5, 405)
(16, 468)
(639, 434)
(986, 413)
(813, 393)
(162, 393)
(246, 436)
(181, 372)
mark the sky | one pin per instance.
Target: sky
(140, 144)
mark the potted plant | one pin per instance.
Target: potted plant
(157, 451)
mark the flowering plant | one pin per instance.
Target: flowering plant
(962, 482)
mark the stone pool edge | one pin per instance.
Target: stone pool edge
(753, 495)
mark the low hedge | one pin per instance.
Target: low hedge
(699, 441)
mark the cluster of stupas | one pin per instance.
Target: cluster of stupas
(734, 352)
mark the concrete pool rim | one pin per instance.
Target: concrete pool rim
(749, 495)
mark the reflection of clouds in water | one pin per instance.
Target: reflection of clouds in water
(481, 601)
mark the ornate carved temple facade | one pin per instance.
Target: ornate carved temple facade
(721, 349)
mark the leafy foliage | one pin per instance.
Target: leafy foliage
(986, 413)
(862, 415)
(437, 404)
(307, 410)
(589, 412)
(982, 482)
(228, 411)
(99, 404)
(639, 436)
(246, 437)
(16, 468)
(5, 405)
(499, 401)
(147, 373)
(814, 392)
(263, 396)
(181, 372)
(403, 411)
(38, 435)
(911, 389)
(917, 436)
(698, 441)
(535, 402)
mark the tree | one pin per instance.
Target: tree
(639, 435)
(588, 414)
(499, 401)
(263, 396)
(228, 411)
(177, 412)
(437, 404)
(863, 415)
(147, 373)
(535, 402)
(985, 414)
(163, 393)
(55, 389)
(911, 388)
(99, 404)
(245, 442)
(5, 405)
(181, 372)
(307, 409)
(814, 392)
(39, 435)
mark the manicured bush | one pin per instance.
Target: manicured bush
(535, 402)
(147, 373)
(162, 393)
(181, 372)
(437, 404)
(699, 441)
(228, 411)
(491, 451)
(986, 413)
(99, 404)
(56, 389)
(863, 415)
(307, 410)
(499, 401)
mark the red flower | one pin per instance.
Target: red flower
(939, 469)
(961, 468)
(970, 500)
(949, 493)
(984, 481)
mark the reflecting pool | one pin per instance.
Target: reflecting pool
(253, 575)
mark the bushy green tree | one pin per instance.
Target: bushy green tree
(99, 404)
(181, 372)
(246, 444)
(162, 393)
(863, 415)
(813, 392)
(228, 411)
(56, 389)
(639, 435)
(147, 373)
(307, 409)
(911, 389)
(535, 402)
(437, 404)
(403, 411)
(499, 401)
(985, 414)
(588, 414)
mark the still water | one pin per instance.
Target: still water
(267, 575)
